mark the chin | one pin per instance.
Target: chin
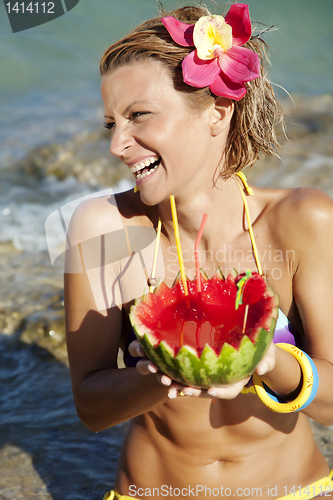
(150, 201)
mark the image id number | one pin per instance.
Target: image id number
(32, 8)
(311, 491)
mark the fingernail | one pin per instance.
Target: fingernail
(263, 369)
(172, 394)
(165, 381)
(212, 393)
(188, 393)
(152, 369)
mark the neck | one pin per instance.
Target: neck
(222, 202)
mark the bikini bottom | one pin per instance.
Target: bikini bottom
(319, 488)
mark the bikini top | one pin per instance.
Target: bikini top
(284, 331)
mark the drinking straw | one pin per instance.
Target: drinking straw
(246, 312)
(247, 213)
(157, 242)
(198, 331)
(197, 266)
(196, 251)
(181, 338)
(179, 249)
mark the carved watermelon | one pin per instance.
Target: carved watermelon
(199, 341)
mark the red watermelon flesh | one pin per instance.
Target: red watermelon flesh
(210, 319)
(207, 321)
(253, 288)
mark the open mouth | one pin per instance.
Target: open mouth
(146, 168)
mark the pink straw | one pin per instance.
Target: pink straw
(196, 252)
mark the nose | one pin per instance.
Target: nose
(120, 141)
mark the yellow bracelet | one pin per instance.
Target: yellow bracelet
(309, 385)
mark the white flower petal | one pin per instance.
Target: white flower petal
(211, 33)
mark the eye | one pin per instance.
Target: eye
(109, 125)
(137, 114)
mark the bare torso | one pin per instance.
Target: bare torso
(196, 444)
(238, 445)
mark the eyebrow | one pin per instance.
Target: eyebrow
(129, 107)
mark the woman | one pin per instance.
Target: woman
(185, 129)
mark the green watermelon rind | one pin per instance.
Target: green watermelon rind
(208, 370)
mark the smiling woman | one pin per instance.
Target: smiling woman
(153, 125)
(150, 42)
(189, 105)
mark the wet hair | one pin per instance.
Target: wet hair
(252, 129)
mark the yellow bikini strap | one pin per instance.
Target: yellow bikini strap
(109, 496)
(247, 188)
(249, 192)
(113, 495)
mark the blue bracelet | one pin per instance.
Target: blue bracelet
(310, 379)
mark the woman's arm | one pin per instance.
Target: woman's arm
(310, 226)
(104, 395)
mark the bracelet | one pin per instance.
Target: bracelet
(309, 385)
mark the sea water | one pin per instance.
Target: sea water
(38, 417)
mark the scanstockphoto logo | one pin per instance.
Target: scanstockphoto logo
(24, 15)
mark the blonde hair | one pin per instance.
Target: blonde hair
(252, 129)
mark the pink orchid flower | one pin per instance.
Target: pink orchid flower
(219, 62)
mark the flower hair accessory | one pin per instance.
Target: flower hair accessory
(219, 61)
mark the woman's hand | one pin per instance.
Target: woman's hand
(146, 367)
(230, 391)
(268, 361)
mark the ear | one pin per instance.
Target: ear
(221, 115)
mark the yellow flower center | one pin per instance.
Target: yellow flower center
(211, 36)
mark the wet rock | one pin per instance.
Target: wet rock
(307, 155)
(10, 322)
(32, 302)
(47, 329)
(18, 478)
(85, 156)
(309, 115)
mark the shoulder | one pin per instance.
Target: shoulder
(304, 208)
(299, 205)
(300, 218)
(93, 217)
(101, 215)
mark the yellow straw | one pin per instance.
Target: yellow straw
(157, 242)
(179, 249)
(247, 212)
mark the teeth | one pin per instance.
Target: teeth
(143, 164)
(141, 176)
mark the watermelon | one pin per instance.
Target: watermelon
(201, 340)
